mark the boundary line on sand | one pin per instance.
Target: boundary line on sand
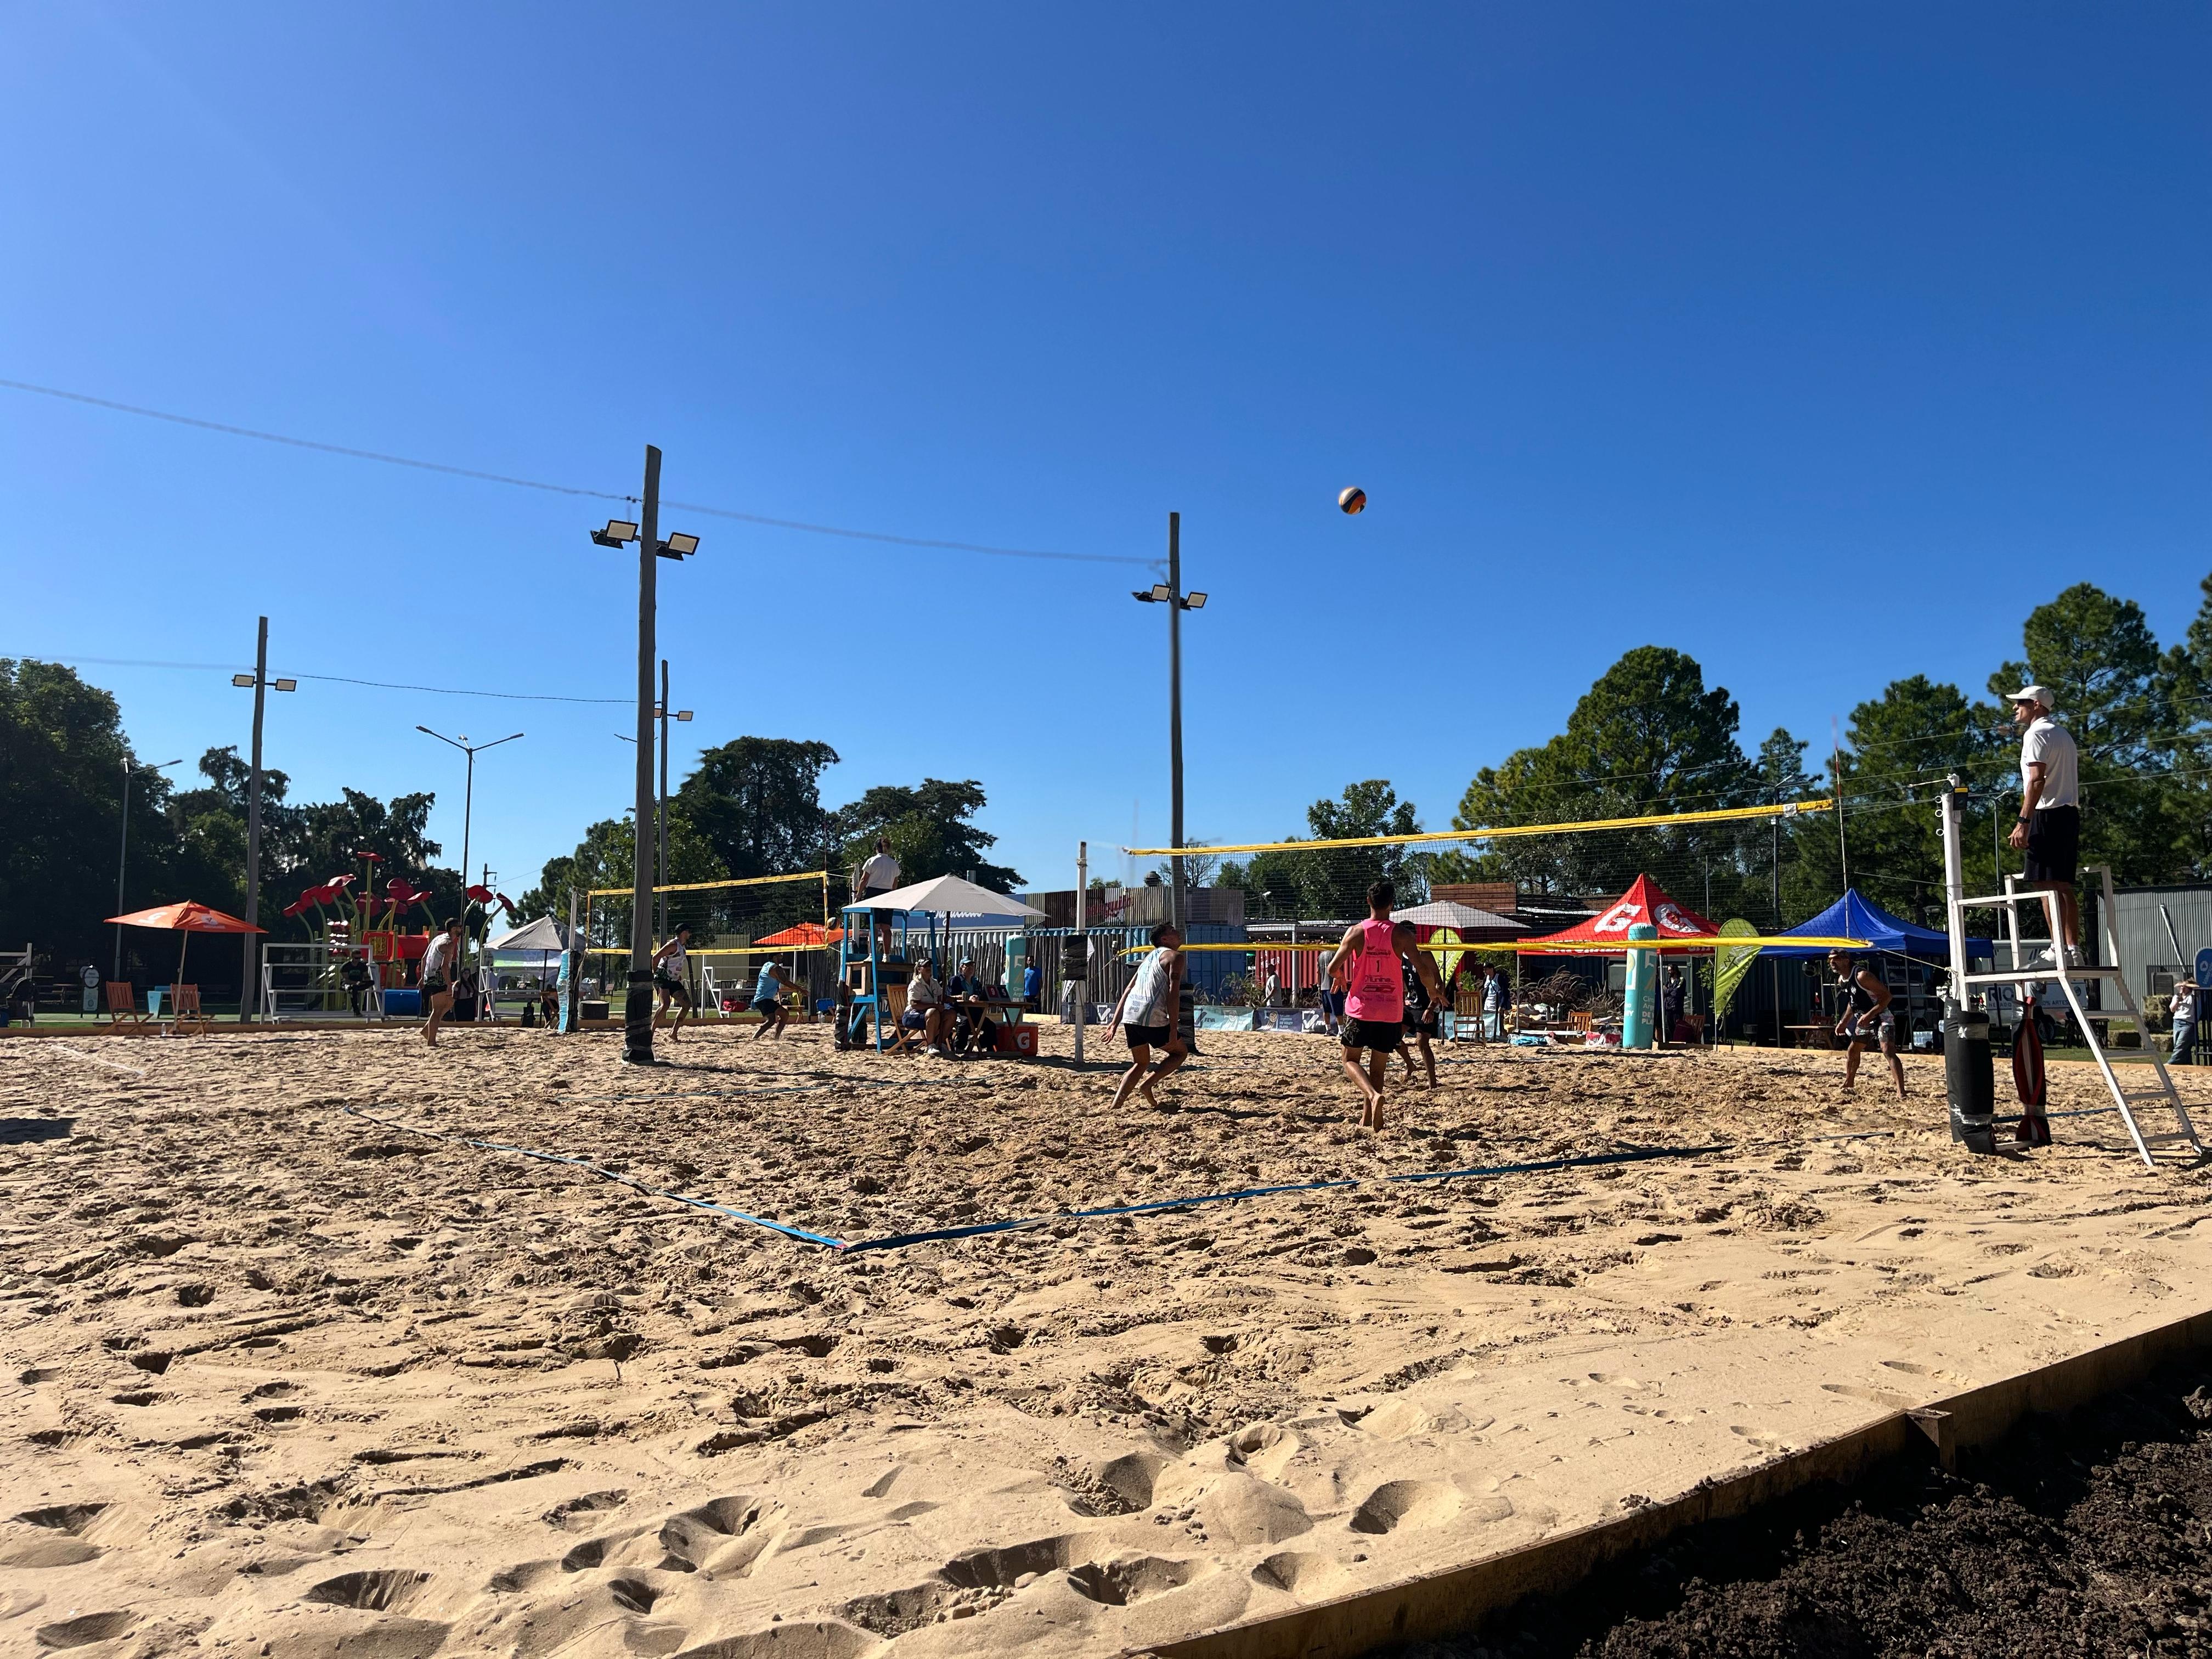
(901, 1240)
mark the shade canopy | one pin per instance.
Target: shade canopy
(188, 917)
(1645, 901)
(1446, 913)
(1856, 917)
(947, 896)
(803, 936)
(542, 937)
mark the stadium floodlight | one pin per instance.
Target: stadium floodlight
(288, 685)
(679, 545)
(617, 532)
(241, 679)
(1196, 602)
(1170, 595)
(683, 714)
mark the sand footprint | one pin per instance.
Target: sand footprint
(1407, 1504)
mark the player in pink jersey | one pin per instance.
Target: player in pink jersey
(1368, 964)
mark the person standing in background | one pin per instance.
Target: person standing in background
(2050, 827)
(438, 961)
(1493, 1006)
(2184, 1009)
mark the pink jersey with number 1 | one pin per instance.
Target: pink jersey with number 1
(1378, 992)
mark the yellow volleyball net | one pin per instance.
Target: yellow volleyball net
(746, 917)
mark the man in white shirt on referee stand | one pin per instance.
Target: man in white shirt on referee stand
(2050, 827)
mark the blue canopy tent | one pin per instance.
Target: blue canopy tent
(1854, 916)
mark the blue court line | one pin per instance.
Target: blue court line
(896, 1241)
(900, 1241)
(608, 1175)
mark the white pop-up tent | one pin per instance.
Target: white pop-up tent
(947, 895)
(534, 942)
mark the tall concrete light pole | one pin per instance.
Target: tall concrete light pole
(1169, 594)
(260, 682)
(637, 1004)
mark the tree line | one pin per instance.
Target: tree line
(1649, 737)
(752, 806)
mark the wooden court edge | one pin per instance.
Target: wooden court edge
(1456, 1600)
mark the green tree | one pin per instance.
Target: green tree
(1647, 737)
(1900, 747)
(930, 829)
(606, 860)
(62, 754)
(757, 802)
(1330, 883)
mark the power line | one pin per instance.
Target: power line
(69, 661)
(560, 489)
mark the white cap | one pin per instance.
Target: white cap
(2033, 694)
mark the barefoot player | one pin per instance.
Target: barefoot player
(1147, 1014)
(1867, 1014)
(768, 1000)
(1370, 961)
(671, 979)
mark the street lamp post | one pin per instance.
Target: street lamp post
(259, 680)
(468, 797)
(637, 1004)
(122, 856)
(660, 880)
(661, 817)
(1169, 594)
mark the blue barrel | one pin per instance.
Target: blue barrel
(1642, 991)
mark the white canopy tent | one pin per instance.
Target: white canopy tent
(536, 940)
(947, 895)
(1445, 913)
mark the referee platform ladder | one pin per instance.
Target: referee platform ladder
(2156, 1093)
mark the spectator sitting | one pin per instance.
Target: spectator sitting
(923, 1022)
(970, 994)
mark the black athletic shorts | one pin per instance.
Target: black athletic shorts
(1147, 1036)
(1427, 1022)
(673, 986)
(2054, 843)
(434, 985)
(1382, 1035)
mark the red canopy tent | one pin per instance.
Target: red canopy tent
(1679, 929)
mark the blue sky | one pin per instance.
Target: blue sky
(1820, 342)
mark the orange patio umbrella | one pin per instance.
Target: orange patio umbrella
(804, 935)
(188, 918)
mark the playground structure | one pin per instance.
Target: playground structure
(357, 949)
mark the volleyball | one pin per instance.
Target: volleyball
(1351, 500)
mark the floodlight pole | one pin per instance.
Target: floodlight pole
(253, 827)
(661, 817)
(637, 1006)
(1175, 716)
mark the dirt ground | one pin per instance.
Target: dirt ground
(284, 1377)
(2090, 1535)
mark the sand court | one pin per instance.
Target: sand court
(281, 1372)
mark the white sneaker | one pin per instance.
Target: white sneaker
(2073, 955)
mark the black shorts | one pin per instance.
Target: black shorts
(1382, 1035)
(672, 985)
(1147, 1036)
(1425, 1023)
(434, 985)
(2054, 843)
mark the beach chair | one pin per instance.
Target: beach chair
(123, 1006)
(186, 1019)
